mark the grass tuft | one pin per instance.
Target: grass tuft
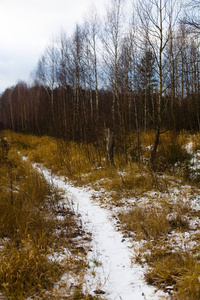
(26, 271)
(146, 223)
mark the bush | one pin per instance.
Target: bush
(171, 151)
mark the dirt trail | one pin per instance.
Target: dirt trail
(110, 258)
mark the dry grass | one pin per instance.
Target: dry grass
(195, 140)
(178, 269)
(171, 266)
(25, 267)
(77, 160)
(30, 232)
(151, 222)
(165, 268)
(68, 158)
(126, 179)
(187, 286)
(26, 271)
(146, 223)
(171, 152)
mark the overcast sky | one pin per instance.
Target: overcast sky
(27, 26)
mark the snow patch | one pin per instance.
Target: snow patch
(111, 270)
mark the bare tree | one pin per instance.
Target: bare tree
(78, 70)
(91, 32)
(192, 18)
(11, 108)
(157, 18)
(112, 40)
(46, 74)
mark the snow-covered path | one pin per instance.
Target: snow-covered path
(114, 273)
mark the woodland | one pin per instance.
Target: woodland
(134, 70)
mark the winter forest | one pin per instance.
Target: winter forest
(135, 69)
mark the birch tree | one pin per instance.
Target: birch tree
(91, 32)
(112, 40)
(157, 18)
(46, 74)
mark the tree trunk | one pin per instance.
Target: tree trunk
(153, 153)
(110, 146)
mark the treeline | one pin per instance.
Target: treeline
(128, 72)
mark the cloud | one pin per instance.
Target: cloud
(26, 28)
